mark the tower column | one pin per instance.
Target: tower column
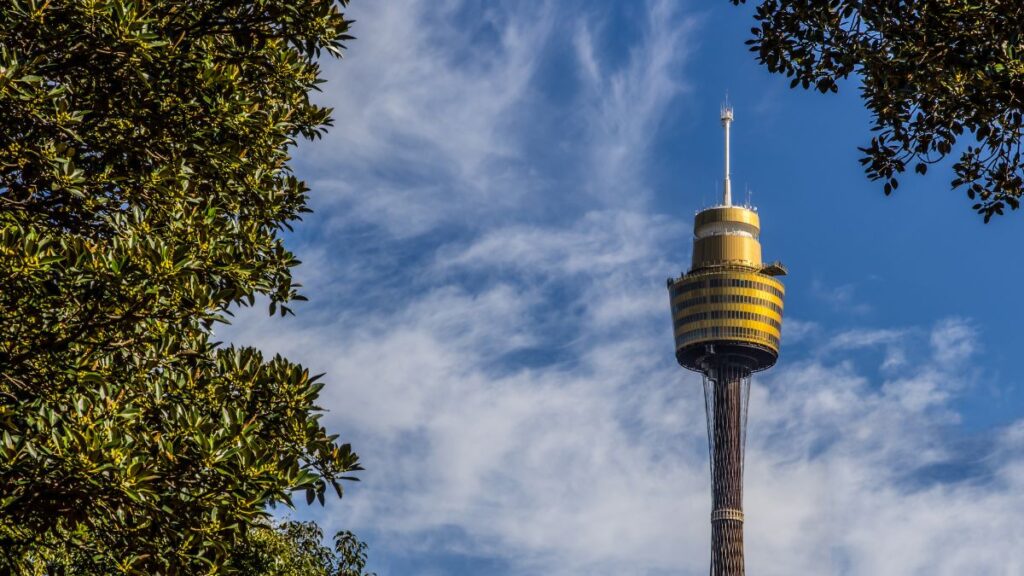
(727, 430)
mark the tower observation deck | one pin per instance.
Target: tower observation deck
(727, 314)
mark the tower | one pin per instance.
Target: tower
(727, 314)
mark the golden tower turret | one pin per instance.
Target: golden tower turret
(729, 302)
(727, 317)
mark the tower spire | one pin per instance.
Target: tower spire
(726, 121)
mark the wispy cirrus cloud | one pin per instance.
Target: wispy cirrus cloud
(427, 107)
(842, 297)
(623, 107)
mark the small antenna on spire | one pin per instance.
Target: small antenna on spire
(726, 121)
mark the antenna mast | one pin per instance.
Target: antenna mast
(726, 121)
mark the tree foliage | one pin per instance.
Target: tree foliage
(144, 189)
(296, 549)
(932, 72)
(286, 549)
(267, 549)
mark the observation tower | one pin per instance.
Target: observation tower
(727, 313)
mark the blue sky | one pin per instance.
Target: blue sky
(507, 187)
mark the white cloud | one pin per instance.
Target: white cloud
(891, 340)
(865, 338)
(953, 341)
(625, 106)
(426, 122)
(596, 465)
(795, 330)
(841, 297)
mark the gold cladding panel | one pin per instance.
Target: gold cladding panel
(755, 288)
(733, 322)
(727, 307)
(755, 293)
(722, 249)
(765, 309)
(711, 310)
(728, 276)
(755, 329)
(762, 328)
(727, 214)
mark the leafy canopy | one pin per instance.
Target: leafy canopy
(269, 549)
(144, 188)
(932, 72)
(295, 549)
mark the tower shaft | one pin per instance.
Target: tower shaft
(727, 388)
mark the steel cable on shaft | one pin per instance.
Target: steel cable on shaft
(726, 388)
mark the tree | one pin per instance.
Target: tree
(932, 71)
(144, 189)
(296, 549)
(285, 549)
(269, 549)
(350, 559)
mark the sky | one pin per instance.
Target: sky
(505, 190)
